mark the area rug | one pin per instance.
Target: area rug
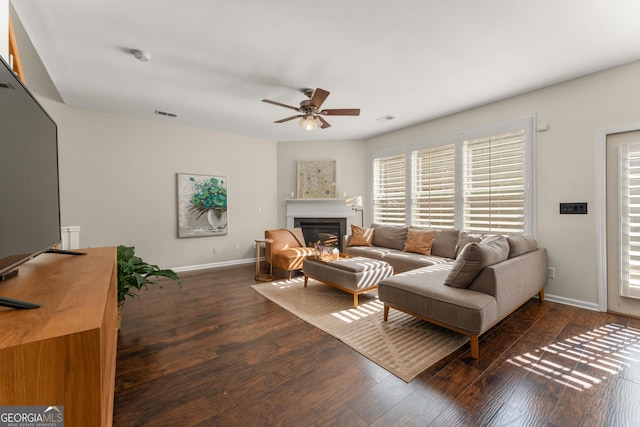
(404, 345)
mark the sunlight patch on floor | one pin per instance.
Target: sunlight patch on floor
(603, 352)
(364, 310)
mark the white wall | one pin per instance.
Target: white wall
(351, 165)
(565, 164)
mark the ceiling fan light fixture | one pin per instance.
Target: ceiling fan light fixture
(311, 115)
(309, 122)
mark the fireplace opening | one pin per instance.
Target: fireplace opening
(322, 231)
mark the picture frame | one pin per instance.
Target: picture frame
(202, 205)
(316, 179)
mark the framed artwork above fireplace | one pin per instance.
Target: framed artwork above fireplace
(317, 179)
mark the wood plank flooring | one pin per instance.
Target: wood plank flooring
(216, 353)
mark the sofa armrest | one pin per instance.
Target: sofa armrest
(513, 281)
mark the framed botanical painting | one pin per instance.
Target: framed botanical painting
(317, 179)
(202, 205)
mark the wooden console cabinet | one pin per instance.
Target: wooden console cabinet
(63, 353)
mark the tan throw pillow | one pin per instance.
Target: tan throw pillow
(360, 236)
(473, 258)
(419, 241)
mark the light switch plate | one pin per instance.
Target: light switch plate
(573, 208)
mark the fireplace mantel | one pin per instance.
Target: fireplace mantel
(317, 208)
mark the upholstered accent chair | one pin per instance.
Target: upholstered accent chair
(288, 249)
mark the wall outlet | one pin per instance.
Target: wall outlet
(551, 272)
(237, 246)
(215, 251)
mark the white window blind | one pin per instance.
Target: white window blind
(389, 189)
(494, 183)
(433, 186)
(630, 219)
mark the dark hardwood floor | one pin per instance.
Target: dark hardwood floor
(216, 353)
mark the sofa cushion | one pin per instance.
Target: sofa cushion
(520, 245)
(421, 291)
(467, 238)
(406, 261)
(291, 258)
(361, 236)
(474, 257)
(372, 252)
(445, 243)
(389, 236)
(419, 241)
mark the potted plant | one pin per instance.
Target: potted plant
(134, 274)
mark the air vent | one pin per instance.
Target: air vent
(5, 86)
(165, 113)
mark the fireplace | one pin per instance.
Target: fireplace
(326, 231)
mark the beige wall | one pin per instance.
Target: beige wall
(102, 154)
(565, 164)
(118, 178)
(118, 183)
(351, 164)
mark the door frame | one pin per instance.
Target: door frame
(601, 206)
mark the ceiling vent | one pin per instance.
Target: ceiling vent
(165, 113)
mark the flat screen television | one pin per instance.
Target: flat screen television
(29, 193)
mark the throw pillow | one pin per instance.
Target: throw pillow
(389, 236)
(473, 258)
(360, 236)
(520, 245)
(467, 238)
(445, 243)
(419, 241)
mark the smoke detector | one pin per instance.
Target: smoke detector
(141, 55)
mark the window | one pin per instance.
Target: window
(389, 189)
(494, 183)
(433, 186)
(478, 180)
(630, 219)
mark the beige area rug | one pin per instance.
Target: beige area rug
(404, 345)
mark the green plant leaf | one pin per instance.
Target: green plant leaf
(134, 274)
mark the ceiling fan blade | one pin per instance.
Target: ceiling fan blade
(319, 95)
(325, 124)
(287, 119)
(341, 112)
(280, 104)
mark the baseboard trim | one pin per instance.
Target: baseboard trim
(214, 265)
(548, 297)
(573, 302)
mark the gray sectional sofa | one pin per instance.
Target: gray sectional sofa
(464, 282)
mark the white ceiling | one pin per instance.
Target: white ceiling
(213, 61)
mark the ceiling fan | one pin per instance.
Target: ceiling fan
(311, 116)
